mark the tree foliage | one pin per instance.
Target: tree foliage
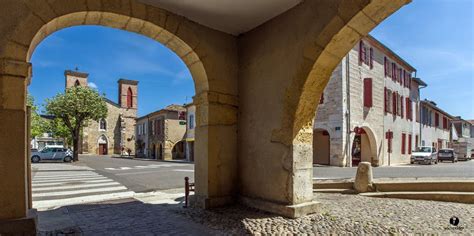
(75, 108)
(38, 124)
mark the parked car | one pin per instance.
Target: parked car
(52, 154)
(447, 154)
(424, 155)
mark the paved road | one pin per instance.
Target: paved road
(460, 169)
(141, 175)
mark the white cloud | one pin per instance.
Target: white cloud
(92, 85)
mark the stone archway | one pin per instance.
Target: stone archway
(208, 55)
(102, 145)
(271, 76)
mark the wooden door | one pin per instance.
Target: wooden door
(102, 149)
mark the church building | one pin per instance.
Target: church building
(116, 133)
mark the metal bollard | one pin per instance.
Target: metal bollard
(186, 191)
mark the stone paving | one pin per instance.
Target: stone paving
(341, 214)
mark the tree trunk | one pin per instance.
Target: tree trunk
(75, 143)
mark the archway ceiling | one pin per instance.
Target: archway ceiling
(230, 16)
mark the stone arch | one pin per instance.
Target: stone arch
(102, 145)
(209, 54)
(178, 151)
(324, 53)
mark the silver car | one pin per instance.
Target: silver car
(52, 154)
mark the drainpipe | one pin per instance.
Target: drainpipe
(348, 115)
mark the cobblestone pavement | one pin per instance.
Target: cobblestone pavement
(341, 214)
(346, 215)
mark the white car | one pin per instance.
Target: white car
(424, 155)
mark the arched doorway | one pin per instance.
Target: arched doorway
(363, 148)
(178, 151)
(321, 147)
(102, 145)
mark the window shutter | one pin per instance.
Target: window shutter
(409, 144)
(385, 97)
(367, 92)
(371, 58)
(393, 71)
(321, 99)
(401, 106)
(403, 143)
(394, 103)
(407, 104)
(361, 52)
(385, 66)
(404, 78)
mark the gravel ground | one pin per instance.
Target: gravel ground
(347, 215)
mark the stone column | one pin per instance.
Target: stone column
(215, 149)
(14, 142)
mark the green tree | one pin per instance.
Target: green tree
(75, 108)
(38, 124)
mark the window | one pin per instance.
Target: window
(408, 109)
(102, 124)
(386, 67)
(129, 98)
(409, 144)
(76, 84)
(403, 143)
(445, 123)
(367, 92)
(394, 69)
(191, 122)
(386, 100)
(436, 120)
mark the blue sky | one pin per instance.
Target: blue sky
(434, 36)
(437, 38)
(107, 55)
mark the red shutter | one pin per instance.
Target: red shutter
(371, 58)
(408, 105)
(403, 143)
(361, 52)
(394, 103)
(409, 144)
(437, 120)
(401, 106)
(385, 66)
(394, 71)
(367, 92)
(385, 99)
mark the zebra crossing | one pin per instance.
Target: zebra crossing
(55, 185)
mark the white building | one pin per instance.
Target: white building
(436, 128)
(368, 109)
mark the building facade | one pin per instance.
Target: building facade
(368, 109)
(463, 139)
(160, 134)
(116, 133)
(436, 126)
(190, 129)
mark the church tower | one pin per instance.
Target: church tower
(75, 78)
(128, 93)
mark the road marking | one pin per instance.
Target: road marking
(69, 186)
(183, 170)
(152, 166)
(72, 192)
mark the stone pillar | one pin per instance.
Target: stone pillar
(15, 216)
(363, 178)
(215, 149)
